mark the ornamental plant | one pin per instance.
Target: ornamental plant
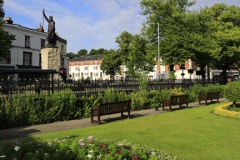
(232, 92)
(72, 149)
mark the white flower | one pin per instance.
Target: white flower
(153, 152)
(36, 151)
(56, 150)
(89, 156)
(2, 156)
(99, 156)
(125, 140)
(120, 144)
(81, 140)
(91, 144)
(91, 151)
(17, 148)
(68, 136)
(45, 154)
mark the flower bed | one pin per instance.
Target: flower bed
(79, 150)
(222, 111)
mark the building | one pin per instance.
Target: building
(87, 66)
(26, 50)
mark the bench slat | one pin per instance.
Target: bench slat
(209, 96)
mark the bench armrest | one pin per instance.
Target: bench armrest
(165, 101)
(94, 109)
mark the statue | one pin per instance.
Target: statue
(51, 35)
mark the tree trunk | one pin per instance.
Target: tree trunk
(234, 105)
(203, 72)
(208, 73)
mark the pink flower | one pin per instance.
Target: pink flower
(135, 157)
(90, 137)
(55, 139)
(82, 144)
(22, 140)
(15, 141)
(38, 140)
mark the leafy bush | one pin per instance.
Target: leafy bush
(232, 92)
(222, 111)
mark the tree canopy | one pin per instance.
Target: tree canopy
(5, 38)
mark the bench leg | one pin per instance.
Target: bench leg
(217, 100)
(170, 108)
(91, 118)
(205, 102)
(98, 119)
(122, 114)
(180, 106)
(199, 102)
(187, 106)
(163, 107)
(128, 114)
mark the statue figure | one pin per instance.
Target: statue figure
(51, 35)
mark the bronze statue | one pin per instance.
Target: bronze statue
(51, 35)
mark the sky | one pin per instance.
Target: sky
(87, 24)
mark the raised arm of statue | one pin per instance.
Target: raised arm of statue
(45, 16)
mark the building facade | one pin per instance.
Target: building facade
(26, 50)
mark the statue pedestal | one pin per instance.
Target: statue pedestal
(51, 60)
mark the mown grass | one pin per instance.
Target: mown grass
(194, 134)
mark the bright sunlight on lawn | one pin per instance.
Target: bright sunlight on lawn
(193, 133)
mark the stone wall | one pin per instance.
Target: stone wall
(51, 60)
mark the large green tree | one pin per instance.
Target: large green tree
(172, 29)
(71, 55)
(226, 25)
(5, 38)
(111, 62)
(82, 52)
(136, 53)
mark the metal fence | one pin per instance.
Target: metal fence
(89, 87)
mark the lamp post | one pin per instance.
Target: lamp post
(158, 49)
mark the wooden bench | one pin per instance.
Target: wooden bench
(209, 96)
(111, 108)
(176, 100)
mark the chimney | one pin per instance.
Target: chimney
(40, 29)
(8, 20)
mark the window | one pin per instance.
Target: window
(76, 68)
(40, 60)
(62, 62)
(62, 49)
(85, 68)
(95, 62)
(27, 41)
(95, 67)
(42, 43)
(77, 74)
(86, 63)
(27, 58)
(95, 74)
(85, 74)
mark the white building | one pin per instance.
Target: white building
(26, 50)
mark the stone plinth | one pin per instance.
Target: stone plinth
(51, 60)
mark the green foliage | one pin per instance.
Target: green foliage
(232, 92)
(71, 55)
(5, 38)
(172, 76)
(82, 52)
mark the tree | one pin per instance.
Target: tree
(111, 63)
(93, 52)
(82, 52)
(140, 57)
(5, 38)
(71, 55)
(200, 41)
(170, 15)
(225, 22)
(100, 51)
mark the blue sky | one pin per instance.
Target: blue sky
(87, 24)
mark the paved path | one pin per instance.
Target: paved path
(19, 132)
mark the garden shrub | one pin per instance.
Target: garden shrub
(232, 92)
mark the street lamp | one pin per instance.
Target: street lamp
(158, 49)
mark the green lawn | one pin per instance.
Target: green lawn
(194, 134)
